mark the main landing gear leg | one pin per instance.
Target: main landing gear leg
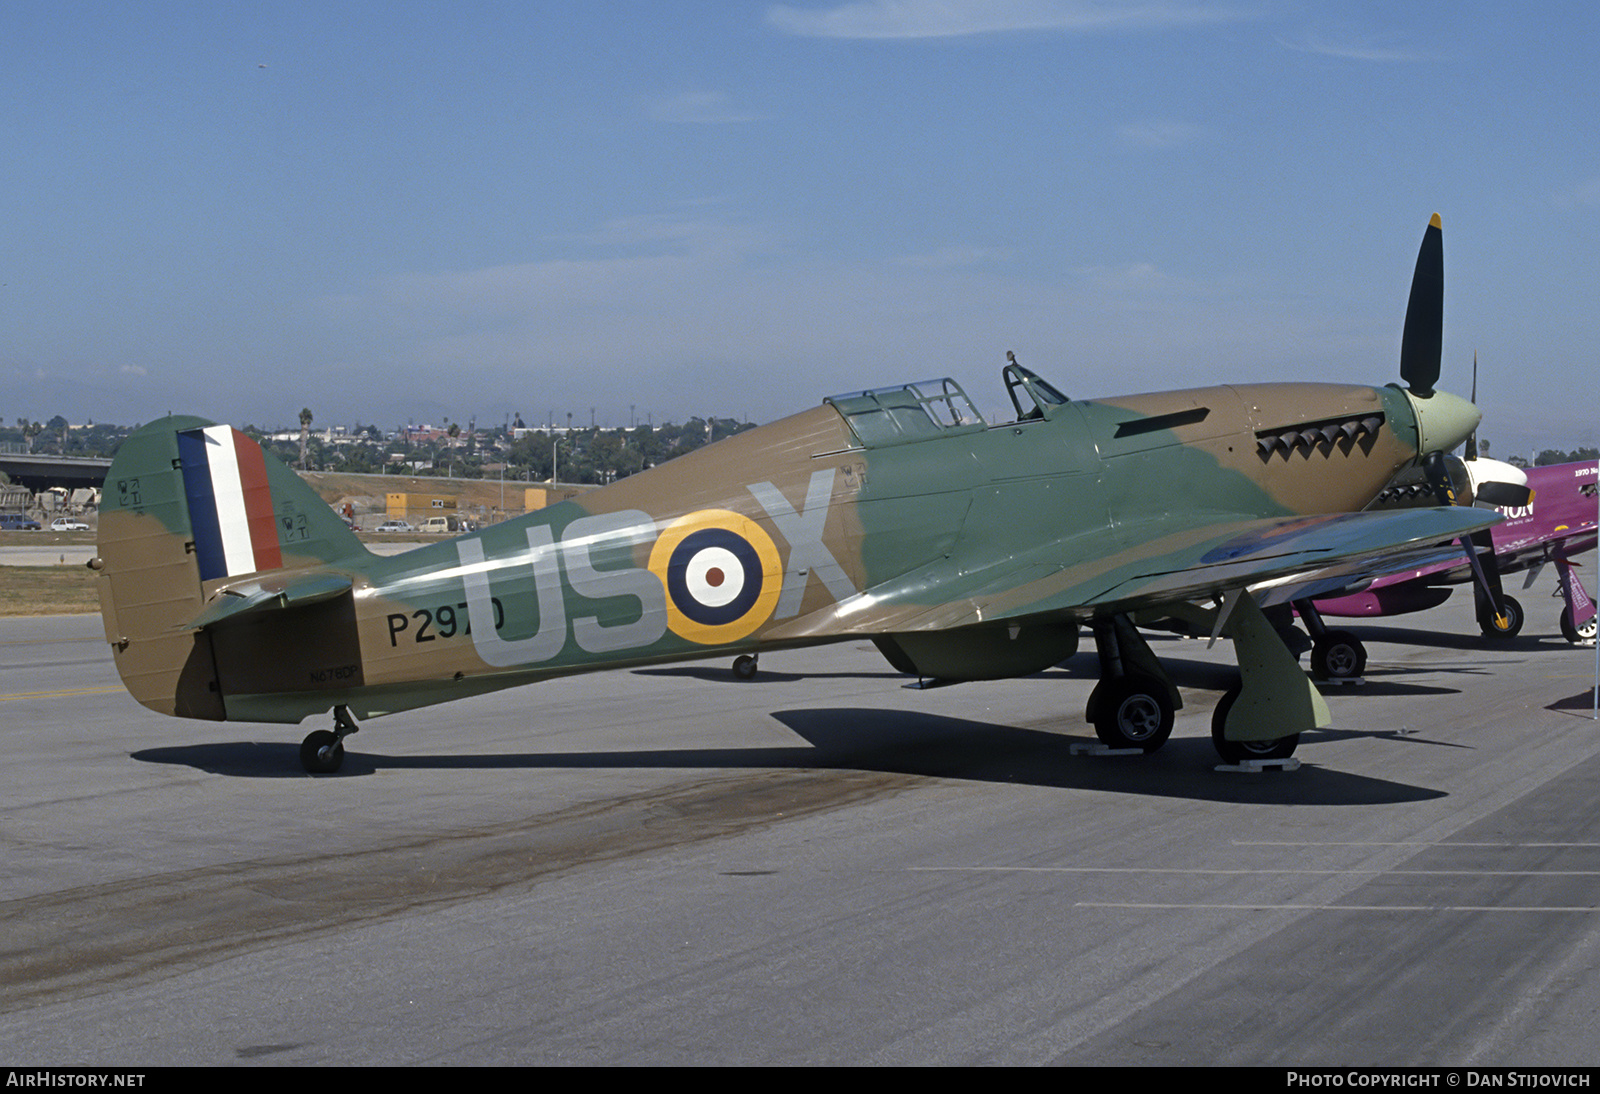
(322, 752)
(1134, 703)
(1262, 716)
(1335, 655)
(1578, 606)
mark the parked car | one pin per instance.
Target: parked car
(68, 524)
(394, 525)
(18, 522)
(439, 525)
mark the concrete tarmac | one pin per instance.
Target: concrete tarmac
(668, 866)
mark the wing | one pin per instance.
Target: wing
(1147, 566)
(1575, 541)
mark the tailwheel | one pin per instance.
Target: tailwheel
(1508, 625)
(1578, 636)
(322, 752)
(1133, 712)
(745, 666)
(1338, 655)
(1233, 752)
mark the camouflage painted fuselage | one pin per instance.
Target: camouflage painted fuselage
(968, 549)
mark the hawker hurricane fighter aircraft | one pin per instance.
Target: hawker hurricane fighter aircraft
(964, 550)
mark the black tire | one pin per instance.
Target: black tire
(1578, 636)
(1338, 655)
(1234, 752)
(1513, 614)
(744, 667)
(1133, 712)
(321, 753)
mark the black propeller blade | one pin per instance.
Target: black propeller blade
(1438, 473)
(1503, 495)
(1422, 341)
(1472, 438)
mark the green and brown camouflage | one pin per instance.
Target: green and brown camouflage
(1043, 522)
(966, 550)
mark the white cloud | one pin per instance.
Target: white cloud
(954, 18)
(699, 108)
(1354, 48)
(1160, 134)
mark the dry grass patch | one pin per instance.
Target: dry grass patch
(48, 590)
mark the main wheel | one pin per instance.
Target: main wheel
(1338, 655)
(1493, 628)
(1234, 752)
(321, 752)
(744, 667)
(1133, 712)
(1577, 635)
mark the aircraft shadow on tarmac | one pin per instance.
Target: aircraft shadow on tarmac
(1448, 640)
(1581, 704)
(1207, 676)
(894, 742)
(715, 674)
(1186, 673)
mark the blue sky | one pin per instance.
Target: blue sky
(412, 211)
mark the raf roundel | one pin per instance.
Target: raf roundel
(722, 575)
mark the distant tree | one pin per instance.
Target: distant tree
(1556, 455)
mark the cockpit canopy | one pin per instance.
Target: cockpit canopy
(938, 408)
(909, 412)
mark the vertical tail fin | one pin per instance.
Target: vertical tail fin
(188, 506)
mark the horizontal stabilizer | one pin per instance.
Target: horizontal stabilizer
(271, 593)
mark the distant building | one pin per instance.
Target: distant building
(419, 507)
